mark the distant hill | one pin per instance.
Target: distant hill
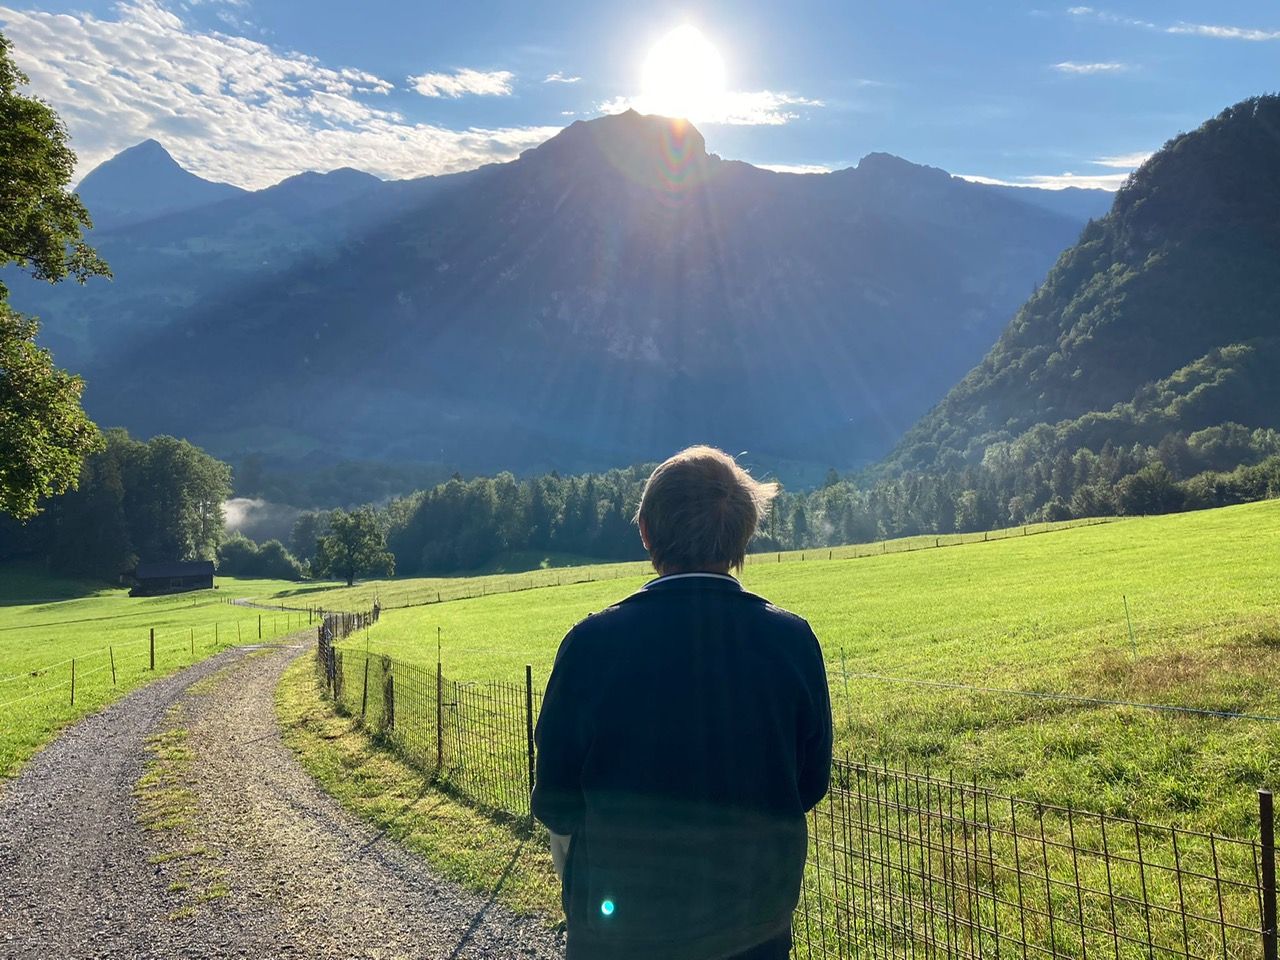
(1163, 320)
(142, 183)
(611, 294)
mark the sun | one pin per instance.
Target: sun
(683, 76)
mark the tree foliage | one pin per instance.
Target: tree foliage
(153, 501)
(44, 434)
(356, 545)
(238, 556)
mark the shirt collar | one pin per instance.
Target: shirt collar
(663, 581)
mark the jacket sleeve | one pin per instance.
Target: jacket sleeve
(813, 776)
(561, 738)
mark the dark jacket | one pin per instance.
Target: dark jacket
(684, 734)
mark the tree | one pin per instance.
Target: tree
(355, 544)
(44, 434)
(310, 526)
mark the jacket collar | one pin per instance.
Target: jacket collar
(712, 581)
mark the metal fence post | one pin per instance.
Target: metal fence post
(153, 648)
(391, 701)
(528, 718)
(364, 693)
(1267, 817)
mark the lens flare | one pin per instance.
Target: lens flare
(607, 908)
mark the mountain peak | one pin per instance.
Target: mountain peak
(144, 182)
(889, 166)
(648, 149)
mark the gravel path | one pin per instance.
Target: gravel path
(274, 867)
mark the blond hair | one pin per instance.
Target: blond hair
(699, 510)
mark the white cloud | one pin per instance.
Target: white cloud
(1128, 161)
(732, 108)
(1104, 16)
(495, 84)
(227, 107)
(1224, 33)
(559, 77)
(1071, 66)
(794, 167)
(1109, 181)
(1091, 181)
(1181, 27)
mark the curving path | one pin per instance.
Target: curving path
(280, 870)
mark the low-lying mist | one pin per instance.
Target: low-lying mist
(260, 520)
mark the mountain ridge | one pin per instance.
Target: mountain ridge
(614, 292)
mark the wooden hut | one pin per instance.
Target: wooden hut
(179, 576)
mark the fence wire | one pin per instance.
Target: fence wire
(903, 864)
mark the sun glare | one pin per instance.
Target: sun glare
(683, 76)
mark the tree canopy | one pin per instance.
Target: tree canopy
(44, 433)
(356, 544)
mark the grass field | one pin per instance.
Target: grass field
(549, 570)
(1038, 614)
(46, 623)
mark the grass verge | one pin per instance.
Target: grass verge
(167, 808)
(499, 859)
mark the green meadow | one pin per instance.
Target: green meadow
(46, 624)
(957, 657)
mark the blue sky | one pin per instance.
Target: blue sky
(251, 91)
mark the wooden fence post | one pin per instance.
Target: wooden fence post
(112, 652)
(259, 626)
(153, 648)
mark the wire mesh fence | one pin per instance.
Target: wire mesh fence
(901, 864)
(476, 738)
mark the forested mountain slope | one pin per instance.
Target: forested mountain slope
(1162, 321)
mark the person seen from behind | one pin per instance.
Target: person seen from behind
(684, 734)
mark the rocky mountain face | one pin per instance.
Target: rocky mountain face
(612, 294)
(1162, 321)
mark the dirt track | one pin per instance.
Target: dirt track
(276, 867)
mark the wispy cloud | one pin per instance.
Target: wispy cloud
(1127, 161)
(763, 108)
(559, 77)
(1106, 16)
(1073, 67)
(1181, 27)
(230, 108)
(464, 82)
(805, 168)
(1224, 33)
(1111, 181)
(1089, 181)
